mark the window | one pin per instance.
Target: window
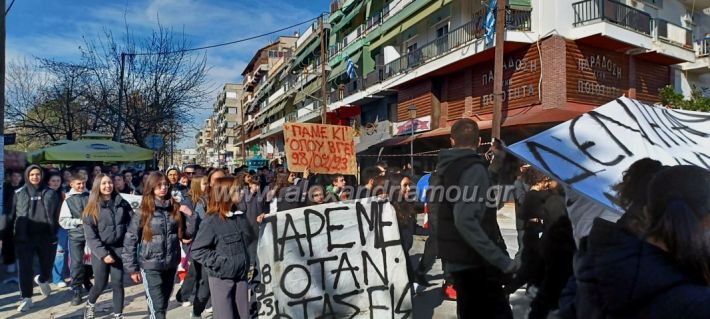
(442, 30)
(273, 54)
(232, 110)
(411, 47)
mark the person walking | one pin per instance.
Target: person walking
(35, 211)
(221, 246)
(475, 253)
(151, 247)
(70, 218)
(106, 219)
(61, 267)
(8, 247)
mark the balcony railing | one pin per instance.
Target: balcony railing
(704, 47)
(673, 33)
(474, 29)
(613, 12)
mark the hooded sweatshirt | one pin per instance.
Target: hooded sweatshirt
(469, 214)
(35, 210)
(622, 276)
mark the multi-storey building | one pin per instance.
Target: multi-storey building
(188, 156)
(402, 71)
(228, 117)
(262, 77)
(206, 154)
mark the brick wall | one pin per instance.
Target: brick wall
(554, 73)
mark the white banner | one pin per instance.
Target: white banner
(591, 152)
(134, 200)
(340, 260)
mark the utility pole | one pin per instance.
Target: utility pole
(2, 92)
(324, 78)
(244, 151)
(498, 70)
(119, 126)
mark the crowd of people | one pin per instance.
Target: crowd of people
(576, 257)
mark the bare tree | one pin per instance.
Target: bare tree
(45, 99)
(163, 87)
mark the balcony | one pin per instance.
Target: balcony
(673, 34)
(704, 48)
(589, 11)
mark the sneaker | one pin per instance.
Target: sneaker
(208, 310)
(186, 304)
(89, 311)
(449, 292)
(415, 287)
(43, 287)
(25, 305)
(11, 268)
(117, 316)
(76, 298)
(61, 285)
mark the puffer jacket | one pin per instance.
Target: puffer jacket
(221, 246)
(622, 276)
(108, 231)
(163, 251)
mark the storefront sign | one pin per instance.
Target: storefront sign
(595, 76)
(521, 74)
(327, 149)
(421, 124)
(340, 260)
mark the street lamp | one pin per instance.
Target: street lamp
(412, 116)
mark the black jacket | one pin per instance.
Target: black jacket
(163, 251)
(108, 231)
(35, 211)
(622, 276)
(221, 246)
(251, 206)
(8, 192)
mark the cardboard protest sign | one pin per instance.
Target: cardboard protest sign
(321, 148)
(340, 260)
(591, 152)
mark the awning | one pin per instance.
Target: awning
(351, 14)
(519, 4)
(533, 115)
(394, 141)
(389, 25)
(340, 67)
(303, 54)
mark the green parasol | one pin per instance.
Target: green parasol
(91, 150)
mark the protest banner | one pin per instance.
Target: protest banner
(339, 260)
(327, 149)
(591, 152)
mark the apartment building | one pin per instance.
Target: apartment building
(205, 152)
(228, 118)
(402, 71)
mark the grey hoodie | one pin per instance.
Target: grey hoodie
(468, 214)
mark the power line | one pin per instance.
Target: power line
(9, 7)
(226, 43)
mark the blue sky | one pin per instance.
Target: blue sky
(54, 28)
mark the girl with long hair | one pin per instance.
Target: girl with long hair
(221, 246)
(152, 244)
(106, 218)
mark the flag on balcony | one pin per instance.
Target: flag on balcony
(350, 69)
(490, 23)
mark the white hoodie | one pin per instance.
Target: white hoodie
(66, 220)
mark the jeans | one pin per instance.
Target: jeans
(60, 269)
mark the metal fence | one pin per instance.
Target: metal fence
(614, 12)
